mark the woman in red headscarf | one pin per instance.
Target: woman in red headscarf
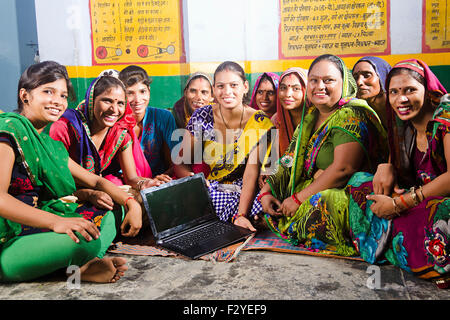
(401, 214)
(99, 136)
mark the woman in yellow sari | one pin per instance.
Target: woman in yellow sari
(227, 136)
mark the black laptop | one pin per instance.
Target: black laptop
(183, 219)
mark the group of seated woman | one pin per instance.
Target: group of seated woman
(358, 162)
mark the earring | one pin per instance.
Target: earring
(25, 101)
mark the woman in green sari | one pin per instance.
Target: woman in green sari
(40, 233)
(305, 200)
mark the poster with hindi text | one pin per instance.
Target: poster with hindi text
(436, 26)
(136, 31)
(309, 28)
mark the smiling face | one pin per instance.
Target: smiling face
(324, 85)
(265, 97)
(198, 94)
(138, 95)
(290, 92)
(229, 89)
(109, 106)
(46, 103)
(406, 96)
(367, 80)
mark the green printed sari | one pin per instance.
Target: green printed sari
(321, 223)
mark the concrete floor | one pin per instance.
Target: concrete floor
(253, 275)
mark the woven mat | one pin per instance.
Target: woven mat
(267, 240)
(144, 245)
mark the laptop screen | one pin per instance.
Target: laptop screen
(178, 204)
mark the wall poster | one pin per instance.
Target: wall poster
(436, 26)
(136, 31)
(309, 28)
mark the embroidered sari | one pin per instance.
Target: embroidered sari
(226, 162)
(418, 240)
(73, 129)
(321, 222)
(40, 177)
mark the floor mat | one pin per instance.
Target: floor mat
(267, 240)
(144, 245)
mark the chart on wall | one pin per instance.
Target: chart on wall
(136, 31)
(309, 28)
(436, 26)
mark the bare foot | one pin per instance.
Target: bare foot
(104, 270)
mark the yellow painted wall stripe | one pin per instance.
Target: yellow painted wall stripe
(174, 69)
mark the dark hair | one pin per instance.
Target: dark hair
(134, 74)
(328, 57)
(42, 73)
(414, 74)
(266, 77)
(236, 68)
(105, 83)
(230, 66)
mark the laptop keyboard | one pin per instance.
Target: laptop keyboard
(201, 235)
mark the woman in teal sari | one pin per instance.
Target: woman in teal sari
(305, 200)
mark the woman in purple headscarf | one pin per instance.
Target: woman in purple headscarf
(264, 96)
(370, 75)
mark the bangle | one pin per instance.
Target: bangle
(126, 201)
(262, 195)
(296, 199)
(414, 196)
(404, 202)
(140, 182)
(396, 211)
(237, 215)
(421, 192)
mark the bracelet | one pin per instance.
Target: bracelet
(237, 215)
(296, 199)
(414, 196)
(421, 192)
(262, 195)
(126, 201)
(404, 202)
(140, 182)
(396, 208)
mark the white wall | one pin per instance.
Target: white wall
(406, 26)
(64, 31)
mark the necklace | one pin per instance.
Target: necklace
(235, 131)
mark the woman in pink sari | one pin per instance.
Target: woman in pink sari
(99, 136)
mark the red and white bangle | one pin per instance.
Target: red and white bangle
(296, 199)
(262, 195)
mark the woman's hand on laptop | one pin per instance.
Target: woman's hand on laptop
(243, 222)
(163, 178)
